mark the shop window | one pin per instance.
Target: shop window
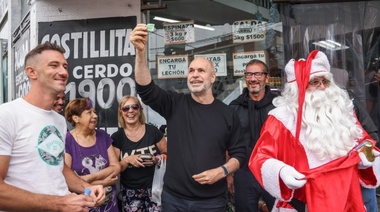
(219, 30)
(214, 35)
(348, 32)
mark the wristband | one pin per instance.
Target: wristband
(225, 170)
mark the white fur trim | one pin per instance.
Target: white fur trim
(376, 170)
(270, 174)
(285, 116)
(286, 210)
(319, 64)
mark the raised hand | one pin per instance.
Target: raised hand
(139, 37)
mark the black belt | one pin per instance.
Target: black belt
(298, 205)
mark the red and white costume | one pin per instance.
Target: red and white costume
(332, 185)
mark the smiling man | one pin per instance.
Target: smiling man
(33, 176)
(252, 106)
(200, 131)
(59, 102)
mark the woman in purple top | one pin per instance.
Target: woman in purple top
(89, 151)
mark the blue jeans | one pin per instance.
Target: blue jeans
(369, 198)
(248, 192)
(172, 203)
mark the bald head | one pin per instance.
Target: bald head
(207, 64)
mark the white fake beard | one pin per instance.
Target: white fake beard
(329, 123)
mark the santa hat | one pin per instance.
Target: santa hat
(319, 64)
(300, 71)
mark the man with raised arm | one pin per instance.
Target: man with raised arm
(200, 131)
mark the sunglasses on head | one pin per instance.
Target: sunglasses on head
(127, 107)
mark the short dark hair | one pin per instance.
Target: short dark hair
(255, 61)
(76, 107)
(43, 47)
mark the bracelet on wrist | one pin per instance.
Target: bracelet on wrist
(225, 170)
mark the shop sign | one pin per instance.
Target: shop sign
(179, 32)
(101, 60)
(21, 48)
(245, 31)
(219, 61)
(172, 66)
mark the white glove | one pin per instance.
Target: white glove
(364, 163)
(290, 176)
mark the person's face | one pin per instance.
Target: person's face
(256, 79)
(52, 70)
(131, 112)
(59, 102)
(318, 83)
(88, 119)
(201, 76)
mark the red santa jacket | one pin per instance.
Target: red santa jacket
(333, 186)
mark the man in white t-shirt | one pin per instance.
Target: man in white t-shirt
(33, 175)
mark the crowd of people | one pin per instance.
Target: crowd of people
(302, 150)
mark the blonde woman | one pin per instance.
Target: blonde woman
(133, 142)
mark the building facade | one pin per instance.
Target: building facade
(95, 35)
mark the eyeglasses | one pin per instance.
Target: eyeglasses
(257, 75)
(127, 107)
(317, 83)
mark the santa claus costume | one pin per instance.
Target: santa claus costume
(314, 138)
